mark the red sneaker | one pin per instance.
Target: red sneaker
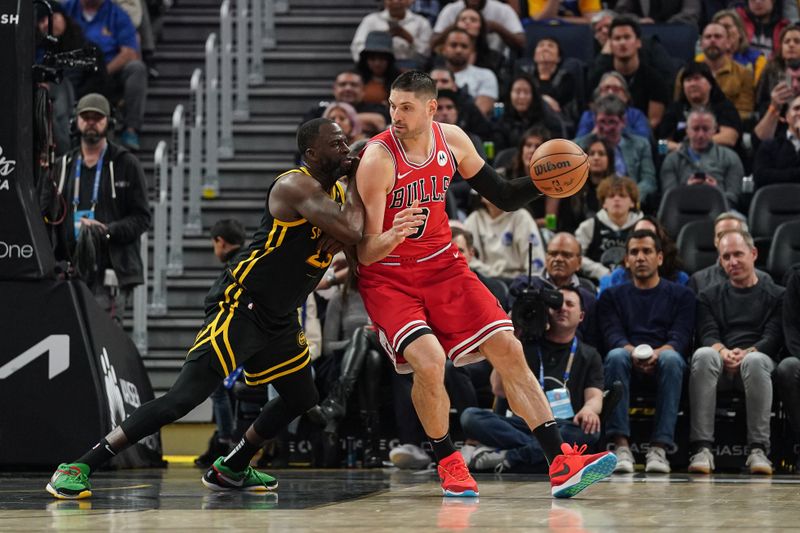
(456, 479)
(572, 472)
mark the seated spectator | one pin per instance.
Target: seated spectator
(763, 24)
(603, 236)
(700, 161)
(774, 71)
(646, 85)
(349, 88)
(465, 242)
(632, 154)
(502, 23)
(470, 118)
(471, 21)
(346, 117)
(501, 241)
(480, 83)
(524, 108)
(572, 11)
(787, 375)
(447, 112)
(529, 141)
(700, 89)
(670, 269)
(411, 33)
(777, 160)
(377, 68)
(739, 45)
(427, 8)
(567, 369)
(660, 314)
(555, 83)
(771, 124)
(601, 23)
(734, 80)
(714, 274)
(612, 82)
(687, 12)
(110, 28)
(739, 329)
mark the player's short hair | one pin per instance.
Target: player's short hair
(748, 239)
(417, 82)
(643, 234)
(461, 232)
(308, 132)
(229, 229)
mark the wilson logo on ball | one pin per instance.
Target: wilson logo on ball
(549, 167)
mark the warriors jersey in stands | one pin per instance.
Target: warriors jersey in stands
(251, 311)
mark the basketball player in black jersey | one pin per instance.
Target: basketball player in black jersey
(251, 317)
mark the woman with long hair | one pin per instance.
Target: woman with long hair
(472, 21)
(524, 107)
(773, 74)
(529, 141)
(377, 67)
(346, 117)
(743, 53)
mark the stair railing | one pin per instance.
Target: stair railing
(139, 334)
(158, 303)
(241, 110)
(211, 178)
(194, 225)
(256, 47)
(176, 227)
(226, 149)
(269, 41)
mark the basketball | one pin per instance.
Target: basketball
(559, 168)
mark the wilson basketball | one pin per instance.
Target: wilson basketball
(559, 168)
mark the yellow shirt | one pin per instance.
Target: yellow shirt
(568, 8)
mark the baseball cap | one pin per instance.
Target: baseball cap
(94, 102)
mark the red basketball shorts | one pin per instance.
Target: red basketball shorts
(438, 294)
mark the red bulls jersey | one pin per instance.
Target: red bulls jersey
(426, 182)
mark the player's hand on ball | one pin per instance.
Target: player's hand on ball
(408, 220)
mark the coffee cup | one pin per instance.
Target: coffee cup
(643, 352)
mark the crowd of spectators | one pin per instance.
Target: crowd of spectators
(650, 123)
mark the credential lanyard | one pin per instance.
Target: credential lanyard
(96, 188)
(573, 348)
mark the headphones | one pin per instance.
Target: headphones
(73, 122)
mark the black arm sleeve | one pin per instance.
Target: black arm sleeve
(507, 194)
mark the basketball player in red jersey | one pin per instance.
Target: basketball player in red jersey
(421, 295)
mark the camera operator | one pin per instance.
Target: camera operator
(98, 209)
(571, 374)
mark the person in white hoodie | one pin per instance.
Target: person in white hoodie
(501, 241)
(603, 237)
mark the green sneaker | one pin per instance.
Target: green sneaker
(70, 482)
(221, 478)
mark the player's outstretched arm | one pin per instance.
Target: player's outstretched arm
(375, 178)
(304, 195)
(507, 194)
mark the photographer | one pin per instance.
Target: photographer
(98, 209)
(570, 372)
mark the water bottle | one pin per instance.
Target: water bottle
(499, 109)
(488, 147)
(663, 147)
(747, 184)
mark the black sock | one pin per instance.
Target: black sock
(240, 457)
(549, 437)
(98, 455)
(442, 447)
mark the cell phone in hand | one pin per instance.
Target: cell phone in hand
(699, 176)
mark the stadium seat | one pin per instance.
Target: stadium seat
(678, 39)
(772, 206)
(696, 245)
(690, 202)
(576, 40)
(785, 249)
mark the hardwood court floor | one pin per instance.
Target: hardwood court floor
(390, 501)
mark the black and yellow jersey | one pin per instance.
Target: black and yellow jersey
(280, 267)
